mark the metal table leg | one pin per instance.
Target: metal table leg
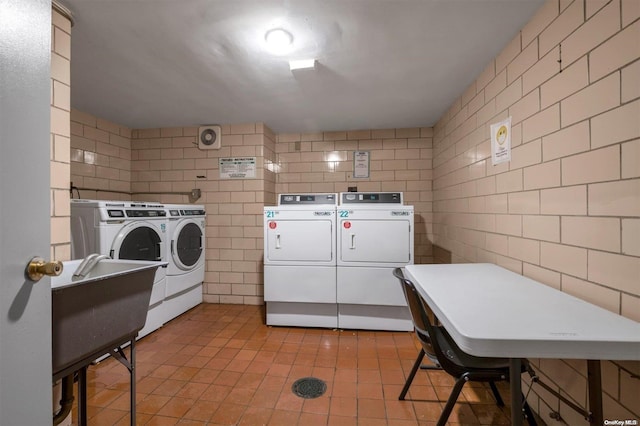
(594, 380)
(515, 366)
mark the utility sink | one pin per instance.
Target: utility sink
(97, 313)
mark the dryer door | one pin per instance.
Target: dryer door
(378, 241)
(187, 245)
(290, 241)
(138, 241)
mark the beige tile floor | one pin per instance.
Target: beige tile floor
(221, 365)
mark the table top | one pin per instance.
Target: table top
(491, 311)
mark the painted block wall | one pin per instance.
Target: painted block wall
(400, 160)
(565, 211)
(168, 160)
(100, 158)
(60, 136)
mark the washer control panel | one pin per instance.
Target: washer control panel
(186, 212)
(143, 213)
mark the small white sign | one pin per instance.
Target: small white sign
(361, 164)
(237, 168)
(501, 142)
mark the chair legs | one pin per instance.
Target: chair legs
(416, 366)
(496, 394)
(455, 392)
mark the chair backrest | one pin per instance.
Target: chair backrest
(419, 313)
(449, 356)
(437, 343)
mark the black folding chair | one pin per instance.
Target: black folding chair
(457, 363)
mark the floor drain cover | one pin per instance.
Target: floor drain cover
(309, 387)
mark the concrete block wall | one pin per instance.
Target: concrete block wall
(400, 160)
(100, 158)
(565, 211)
(60, 135)
(270, 167)
(168, 160)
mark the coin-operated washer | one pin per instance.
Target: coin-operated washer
(375, 235)
(300, 261)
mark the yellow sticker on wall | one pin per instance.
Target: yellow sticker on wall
(501, 141)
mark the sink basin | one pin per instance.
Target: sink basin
(97, 313)
(106, 268)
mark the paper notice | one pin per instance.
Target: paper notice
(237, 168)
(501, 142)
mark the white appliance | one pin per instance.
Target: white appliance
(375, 235)
(186, 257)
(300, 261)
(124, 230)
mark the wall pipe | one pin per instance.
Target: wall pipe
(194, 194)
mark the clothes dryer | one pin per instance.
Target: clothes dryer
(186, 257)
(124, 230)
(375, 235)
(300, 261)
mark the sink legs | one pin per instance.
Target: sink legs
(132, 381)
(117, 353)
(82, 396)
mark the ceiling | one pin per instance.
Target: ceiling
(380, 63)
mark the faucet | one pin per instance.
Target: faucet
(88, 264)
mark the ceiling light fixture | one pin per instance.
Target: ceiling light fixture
(279, 41)
(303, 64)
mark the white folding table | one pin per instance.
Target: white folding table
(493, 312)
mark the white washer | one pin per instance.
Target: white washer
(124, 230)
(375, 235)
(300, 261)
(186, 257)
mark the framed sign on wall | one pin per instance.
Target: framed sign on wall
(361, 164)
(237, 168)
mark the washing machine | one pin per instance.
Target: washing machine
(124, 230)
(374, 236)
(300, 261)
(186, 257)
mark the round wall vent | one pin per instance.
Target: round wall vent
(209, 137)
